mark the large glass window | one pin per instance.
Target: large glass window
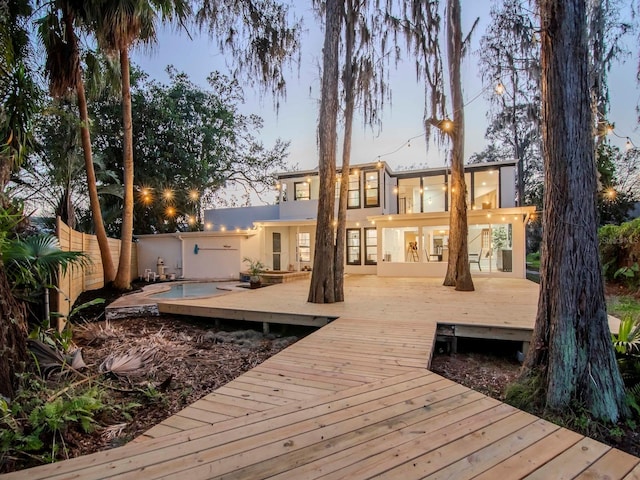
(435, 243)
(353, 196)
(353, 246)
(490, 247)
(370, 246)
(434, 191)
(304, 246)
(485, 189)
(302, 190)
(400, 244)
(371, 190)
(408, 195)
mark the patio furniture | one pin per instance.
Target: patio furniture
(475, 258)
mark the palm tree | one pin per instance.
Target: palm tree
(33, 264)
(63, 67)
(18, 101)
(118, 25)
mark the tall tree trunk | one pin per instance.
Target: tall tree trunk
(458, 270)
(123, 276)
(13, 337)
(349, 101)
(572, 350)
(108, 268)
(322, 289)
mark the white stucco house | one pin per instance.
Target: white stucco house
(397, 225)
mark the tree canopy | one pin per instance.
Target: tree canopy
(190, 143)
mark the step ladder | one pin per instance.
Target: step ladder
(412, 253)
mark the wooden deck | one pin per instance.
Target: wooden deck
(355, 400)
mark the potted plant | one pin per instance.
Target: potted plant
(256, 267)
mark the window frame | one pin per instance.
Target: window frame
(358, 261)
(376, 188)
(295, 191)
(300, 247)
(367, 246)
(358, 190)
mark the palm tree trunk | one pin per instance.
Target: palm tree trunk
(108, 268)
(458, 270)
(13, 337)
(123, 276)
(322, 288)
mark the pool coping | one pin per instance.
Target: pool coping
(140, 302)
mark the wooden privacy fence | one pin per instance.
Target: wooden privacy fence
(78, 280)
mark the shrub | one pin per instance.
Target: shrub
(620, 252)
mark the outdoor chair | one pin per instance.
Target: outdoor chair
(475, 258)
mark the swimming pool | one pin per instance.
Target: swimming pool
(197, 289)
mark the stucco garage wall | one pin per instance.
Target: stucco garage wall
(152, 247)
(217, 258)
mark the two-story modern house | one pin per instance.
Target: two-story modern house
(397, 225)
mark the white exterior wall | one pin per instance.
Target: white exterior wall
(218, 258)
(167, 248)
(298, 210)
(507, 187)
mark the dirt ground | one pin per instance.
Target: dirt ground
(187, 360)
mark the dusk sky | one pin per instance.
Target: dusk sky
(402, 119)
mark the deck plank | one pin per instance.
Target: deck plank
(355, 400)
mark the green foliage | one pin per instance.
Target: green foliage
(615, 197)
(622, 306)
(500, 237)
(39, 417)
(627, 340)
(526, 393)
(620, 251)
(533, 259)
(190, 143)
(33, 264)
(255, 266)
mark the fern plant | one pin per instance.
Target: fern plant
(627, 340)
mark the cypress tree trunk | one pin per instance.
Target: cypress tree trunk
(349, 101)
(322, 289)
(571, 350)
(458, 270)
(123, 276)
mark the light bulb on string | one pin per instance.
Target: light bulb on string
(628, 145)
(499, 88)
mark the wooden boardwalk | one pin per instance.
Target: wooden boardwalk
(355, 400)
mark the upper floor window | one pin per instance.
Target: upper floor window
(353, 195)
(434, 192)
(302, 190)
(371, 189)
(485, 189)
(409, 195)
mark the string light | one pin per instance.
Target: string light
(499, 88)
(629, 145)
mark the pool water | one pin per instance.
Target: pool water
(185, 290)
